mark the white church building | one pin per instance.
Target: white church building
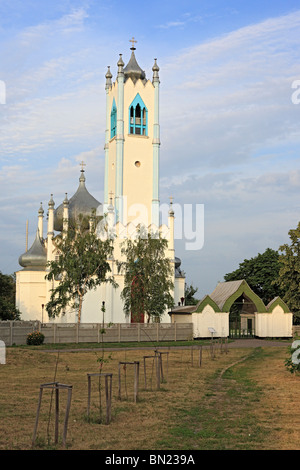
(131, 198)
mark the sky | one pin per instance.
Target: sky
(229, 117)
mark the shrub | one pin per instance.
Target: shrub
(36, 338)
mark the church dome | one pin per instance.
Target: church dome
(178, 272)
(133, 70)
(36, 256)
(82, 203)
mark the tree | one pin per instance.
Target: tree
(147, 276)
(261, 273)
(81, 265)
(289, 273)
(8, 309)
(189, 293)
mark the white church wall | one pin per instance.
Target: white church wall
(210, 319)
(31, 294)
(275, 324)
(179, 285)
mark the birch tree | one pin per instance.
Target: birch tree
(80, 265)
(148, 277)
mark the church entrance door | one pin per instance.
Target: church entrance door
(137, 318)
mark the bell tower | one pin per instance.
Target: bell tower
(132, 142)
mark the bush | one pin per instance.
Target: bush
(36, 338)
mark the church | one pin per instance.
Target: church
(131, 198)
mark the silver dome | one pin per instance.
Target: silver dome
(36, 256)
(82, 203)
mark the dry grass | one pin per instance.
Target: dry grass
(253, 405)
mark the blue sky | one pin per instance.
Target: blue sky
(229, 128)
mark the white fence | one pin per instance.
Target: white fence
(15, 332)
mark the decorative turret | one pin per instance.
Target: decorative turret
(65, 214)
(155, 70)
(40, 223)
(120, 65)
(108, 77)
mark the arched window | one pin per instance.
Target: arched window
(113, 120)
(138, 117)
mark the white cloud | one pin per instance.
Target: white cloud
(69, 23)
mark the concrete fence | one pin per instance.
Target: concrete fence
(15, 332)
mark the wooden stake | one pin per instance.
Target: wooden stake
(56, 386)
(108, 394)
(200, 356)
(136, 378)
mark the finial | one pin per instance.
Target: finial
(120, 61)
(108, 77)
(41, 210)
(132, 40)
(171, 210)
(120, 65)
(108, 73)
(155, 70)
(66, 200)
(51, 202)
(82, 177)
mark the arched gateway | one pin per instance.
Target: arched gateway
(233, 306)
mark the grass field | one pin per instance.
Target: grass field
(244, 399)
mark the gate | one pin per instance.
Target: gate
(236, 330)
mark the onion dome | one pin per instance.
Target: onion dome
(81, 204)
(41, 210)
(133, 70)
(178, 272)
(36, 256)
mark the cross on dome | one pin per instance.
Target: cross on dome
(132, 40)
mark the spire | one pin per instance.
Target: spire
(132, 69)
(108, 77)
(171, 210)
(40, 220)
(41, 210)
(66, 214)
(82, 177)
(120, 65)
(51, 202)
(155, 70)
(66, 200)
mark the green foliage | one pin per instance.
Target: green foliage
(289, 274)
(8, 310)
(147, 276)
(81, 265)
(189, 293)
(261, 273)
(35, 338)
